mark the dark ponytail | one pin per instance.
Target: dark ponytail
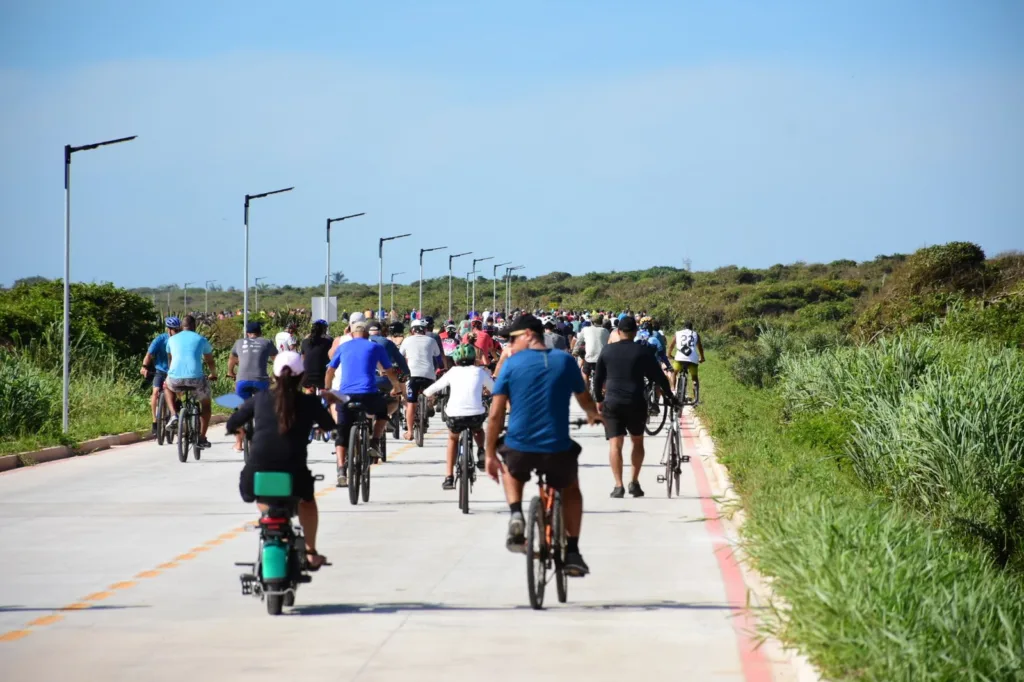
(286, 395)
(319, 330)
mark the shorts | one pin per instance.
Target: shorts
(200, 387)
(560, 468)
(245, 388)
(691, 367)
(302, 484)
(588, 367)
(158, 379)
(416, 386)
(623, 418)
(460, 424)
(374, 404)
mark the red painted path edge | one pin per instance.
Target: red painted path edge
(756, 667)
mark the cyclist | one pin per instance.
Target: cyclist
(397, 360)
(286, 340)
(487, 351)
(186, 353)
(467, 382)
(436, 336)
(594, 339)
(687, 352)
(552, 339)
(539, 383)
(619, 381)
(154, 365)
(251, 356)
(449, 342)
(424, 358)
(358, 360)
(282, 419)
(396, 332)
(315, 351)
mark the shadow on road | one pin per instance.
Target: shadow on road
(52, 609)
(413, 607)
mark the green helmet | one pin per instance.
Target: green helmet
(464, 354)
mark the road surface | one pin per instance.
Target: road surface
(119, 566)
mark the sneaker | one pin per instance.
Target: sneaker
(635, 490)
(204, 443)
(515, 541)
(374, 450)
(381, 445)
(618, 491)
(480, 458)
(172, 422)
(575, 566)
(342, 479)
(449, 483)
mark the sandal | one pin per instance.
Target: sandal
(314, 560)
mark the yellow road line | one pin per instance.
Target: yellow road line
(123, 585)
(148, 574)
(14, 634)
(46, 620)
(98, 596)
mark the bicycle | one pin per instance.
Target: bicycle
(358, 462)
(465, 467)
(163, 415)
(682, 379)
(189, 425)
(654, 408)
(419, 427)
(672, 457)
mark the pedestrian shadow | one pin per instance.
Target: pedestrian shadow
(424, 607)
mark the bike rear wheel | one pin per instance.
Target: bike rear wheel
(365, 467)
(274, 604)
(353, 463)
(421, 419)
(558, 533)
(654, 424)
(536, 554)
(465, 462)
(196, 430)
(183, 437)
(160, 422)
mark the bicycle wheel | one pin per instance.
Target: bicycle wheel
(670, 462)
(679, 458)
(536, 554)
(195, 436)
(654, 423)
(558, 533)
(183, 437)
(465, 462)
(160, 422)
(353, 462)
(365, 468)
(421, 418)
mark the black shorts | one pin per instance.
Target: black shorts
(624, 418)
(460, 424)
(374, 404)
(416, 386)
(302, 484)
(588, 367)
(560, 468)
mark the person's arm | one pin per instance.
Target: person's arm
(146, 363)
(495, 424)
(700, 348)
(211, 363)
(332, 367)
(505, 353)
(322, 416)
(652, 370)
(232, 364)
(587, 403)
(241, 416)
(438, 385)
(600, 373)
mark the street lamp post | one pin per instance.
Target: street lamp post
(68, 151)
(208, 283)
(393, 288)
(475, 261)
(184, 296)
(327, 280)
(450, 259)
(467, 288)
(508, 286)
(258, 295)
(380, 268)
(419, 307)
(494, 283)
(245, 294)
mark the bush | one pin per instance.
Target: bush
(26, 396)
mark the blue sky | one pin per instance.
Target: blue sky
(570, 136)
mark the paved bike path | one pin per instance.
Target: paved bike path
(119, 566)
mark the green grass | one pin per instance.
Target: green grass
(874, 591)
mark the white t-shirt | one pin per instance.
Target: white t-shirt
(419, 351)
(686, 346)
(467, 384)
(285, 341)
(336, 383)
(594, 340)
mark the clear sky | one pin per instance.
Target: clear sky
(564, 135)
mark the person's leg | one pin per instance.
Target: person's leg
(453, 447)
(204, 417)
(410, 417)
(153, 400)
(513, 490)
(572, 508)
(615, 458)
(695, 380)
(309, 519)
(169, 397)
(637, 455)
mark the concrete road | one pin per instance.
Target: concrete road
(119, 566)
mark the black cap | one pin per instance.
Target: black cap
(627, 324)
(526, 322)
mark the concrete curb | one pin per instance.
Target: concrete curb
(52, 454)
(788, 665)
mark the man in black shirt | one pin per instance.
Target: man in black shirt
(315, 351)
(619, 377)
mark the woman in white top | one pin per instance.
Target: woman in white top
(465, 410)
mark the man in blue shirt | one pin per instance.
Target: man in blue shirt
(358, 360)
(187, 351)
(539, 382)
(154, 365)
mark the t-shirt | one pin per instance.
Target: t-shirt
(315, 356)
(555, 341)
(484, 343)
(272, 450)
(539, 385)
(158, 351)
(449, 343)
(253, 355)
(338, 342)
(420, 350)
(358, 360)
(394, 354)
(467, 384)
(285, 341)
(187, 349)
(686, 346)
(594, 340)
(620, 373)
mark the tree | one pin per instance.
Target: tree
(27, 281)
(338, 277)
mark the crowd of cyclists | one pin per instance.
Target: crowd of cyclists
(525, 366)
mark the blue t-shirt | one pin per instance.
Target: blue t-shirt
(358, 361)
(395, 355)
(187, 349)
(539, 384)
(158, 350)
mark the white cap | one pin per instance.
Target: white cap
(419, 323)
(289, 359)
(356, 317)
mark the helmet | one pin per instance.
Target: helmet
(172, 322)
(419, 324)
(464, 354)
(320, 322)
(396, 328)
(451, 326)
(429, 320)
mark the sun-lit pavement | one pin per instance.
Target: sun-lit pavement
(119, 566)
